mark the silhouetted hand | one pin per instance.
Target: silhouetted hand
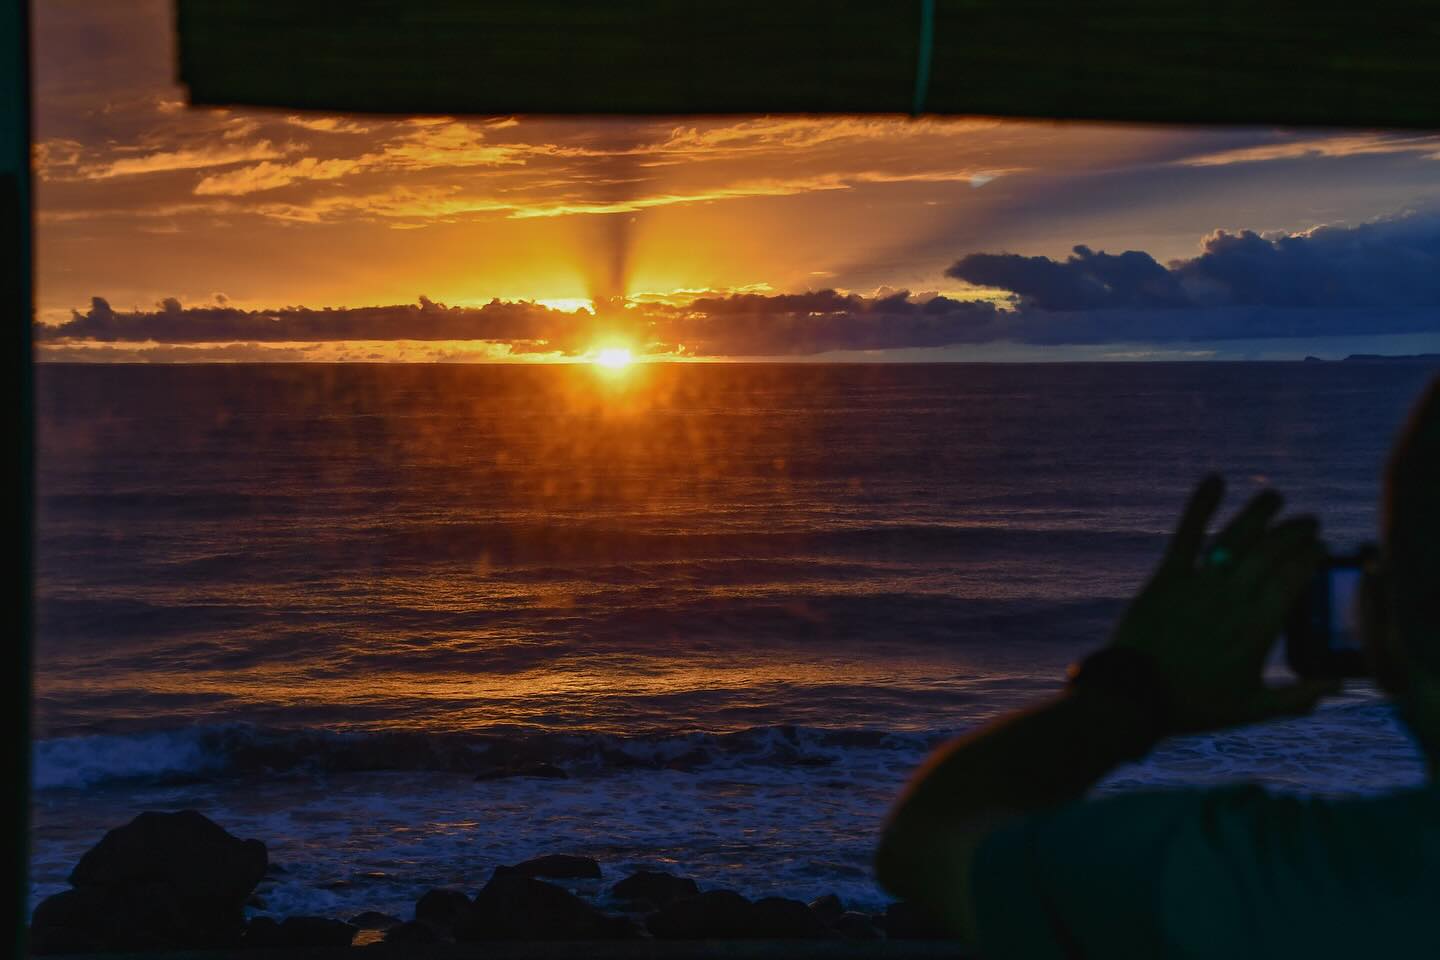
(1210, 615)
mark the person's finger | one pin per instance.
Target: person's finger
(1291, 700)
(1248, 526)
(1284, 582)
(1372, 614)
(1265, 609)
(1273, 547)
(1190, 533)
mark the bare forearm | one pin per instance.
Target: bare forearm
(1043, 757)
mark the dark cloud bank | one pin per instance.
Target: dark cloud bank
(1375, 278)
(1384, 264)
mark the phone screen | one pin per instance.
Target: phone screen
(1322, 632)
(1344, 622)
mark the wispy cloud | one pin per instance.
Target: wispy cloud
(197, 159)
(329, 124)
(451, 201)
(270, 176)
(1340, 145)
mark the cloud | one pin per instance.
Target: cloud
(329, 124)
(1387, 263)
(744, 324)
(1381, 277)
(754, 325)
(449, 201)
(1086, 280)
(169, 160)
(1341, 145)
(766, 134)
(390, 351)
(517, 322)
(270, 176)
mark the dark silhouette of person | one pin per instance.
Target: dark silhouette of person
(993, 838)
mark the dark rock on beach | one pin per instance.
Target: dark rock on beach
(441, 908)
(83, 921)
(857, 926)
(828, 908)
(906, 921)
(298, 932)
(374, 920)
(162, 881)
(654, 888)
(556, 866)
(316, 932)
(262, 933)
(778, 918)
(186, 850)
(412, 931)
(713, 915)
(725, 915)
(513, 907)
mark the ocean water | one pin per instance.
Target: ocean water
(734, 603)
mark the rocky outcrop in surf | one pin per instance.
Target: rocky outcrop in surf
(163, 881)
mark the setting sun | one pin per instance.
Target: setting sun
(613, 357)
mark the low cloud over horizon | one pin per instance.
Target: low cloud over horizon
(1376, 278)
(1389, 262)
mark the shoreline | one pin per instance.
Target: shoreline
(179, 881)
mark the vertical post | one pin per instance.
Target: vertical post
(17, 409)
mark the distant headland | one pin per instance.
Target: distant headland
(1381, 358)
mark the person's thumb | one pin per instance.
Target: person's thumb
(1292, 700)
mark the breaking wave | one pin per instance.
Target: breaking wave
(216, 752)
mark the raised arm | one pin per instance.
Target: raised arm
(1187, 656)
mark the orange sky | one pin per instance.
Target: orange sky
(141, 198)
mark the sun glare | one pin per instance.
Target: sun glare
(613, 357)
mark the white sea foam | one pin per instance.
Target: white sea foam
(82, 761)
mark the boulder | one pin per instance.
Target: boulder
(513, 907)
(906, 921)
(441, 907)
(713, 915)
(778, 918)
(374, 920)
(828, 908)
(412, 931)
(188, 850)
(654, 888)
(81, 921)
(557, 866)
(163, 881)
(315, 932)
(296, 932)
(857, 926)
(262, 933)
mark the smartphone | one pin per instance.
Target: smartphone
(1322, 635)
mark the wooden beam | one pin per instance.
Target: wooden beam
(1221, 61)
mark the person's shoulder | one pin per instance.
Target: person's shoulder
(1417, 802)
(1382, 842)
